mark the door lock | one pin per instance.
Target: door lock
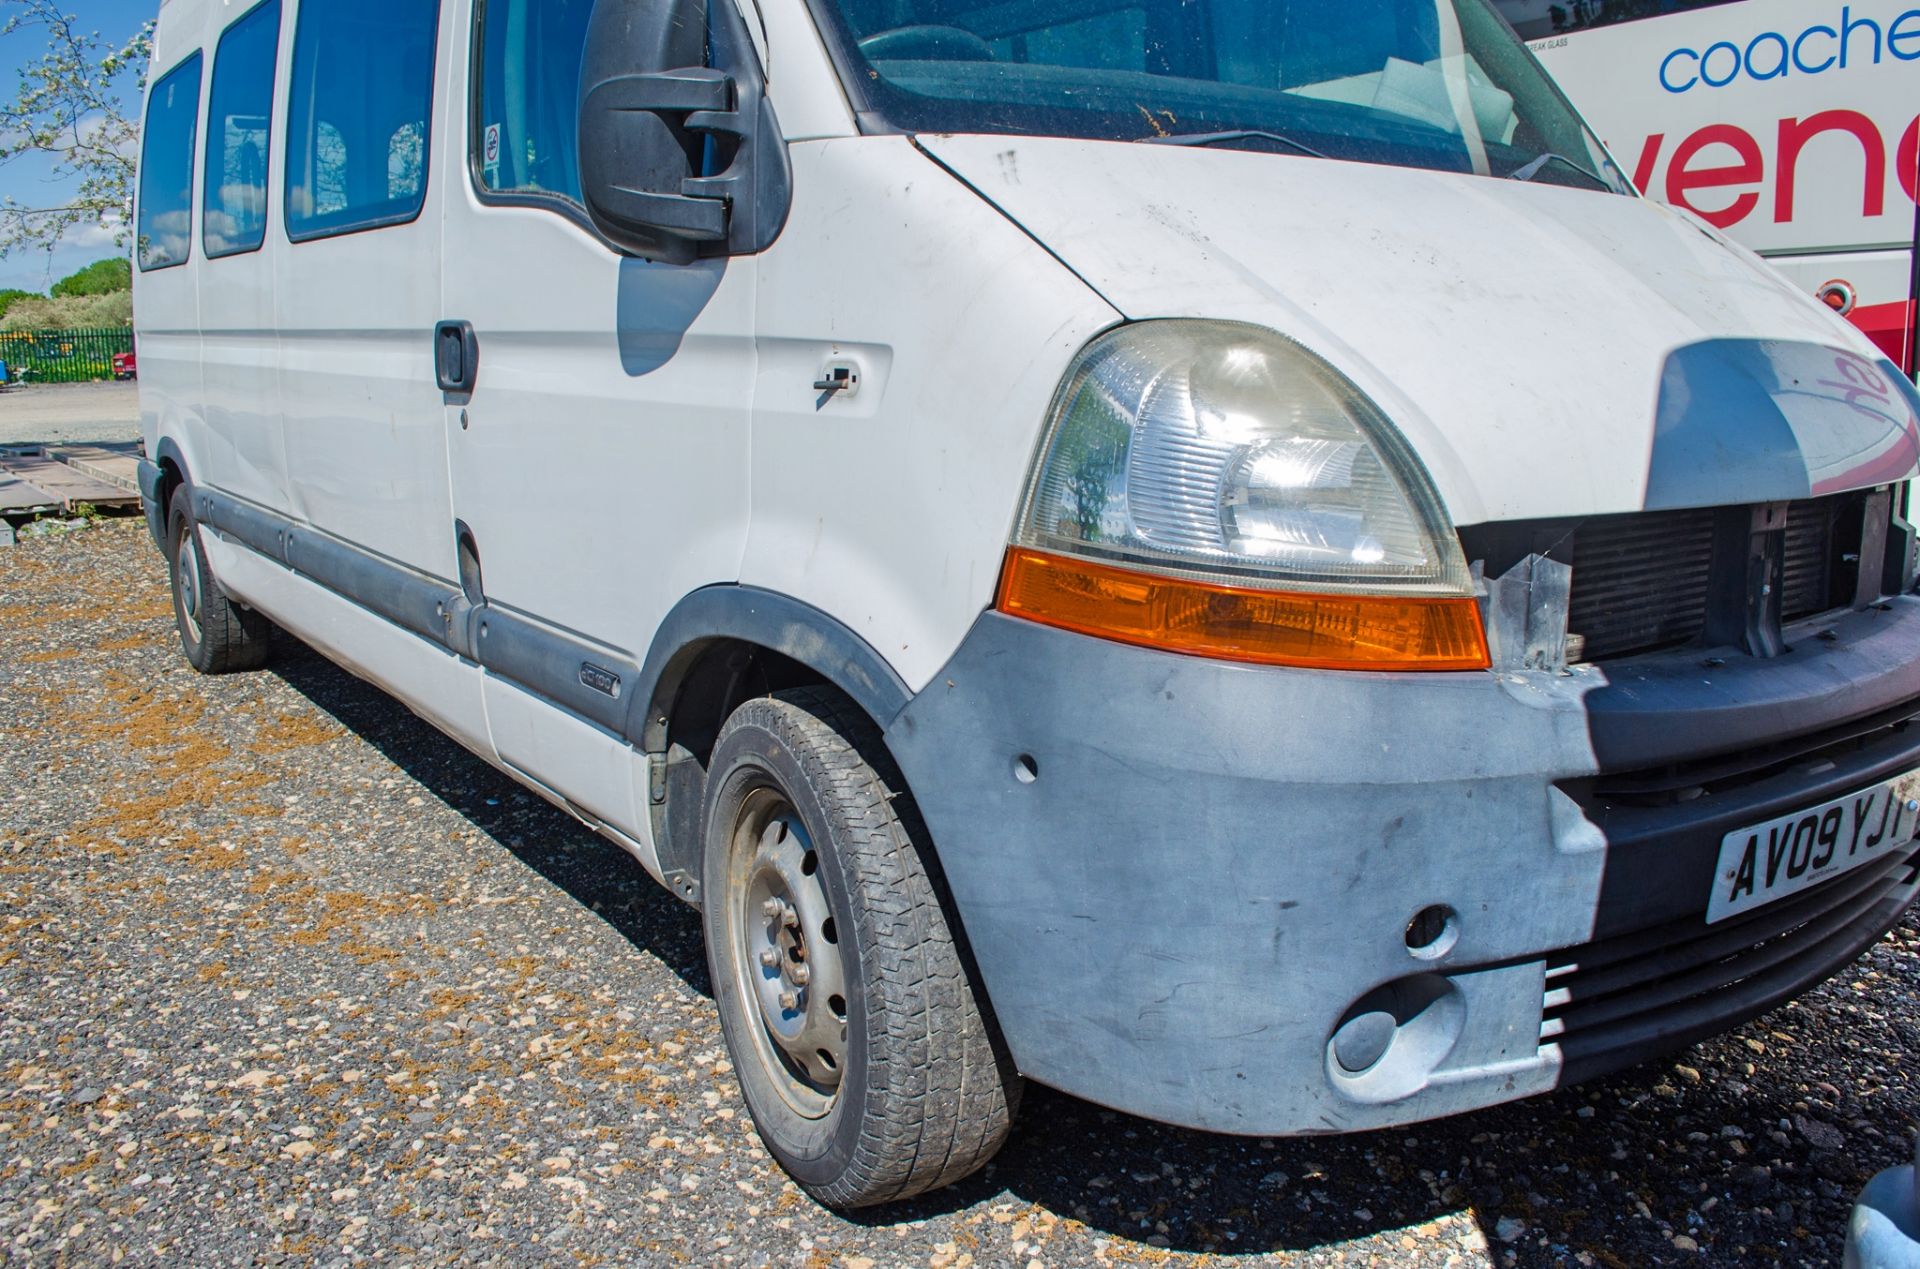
(841, 378)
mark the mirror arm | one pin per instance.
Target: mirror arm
(699, 218)
(692, 89)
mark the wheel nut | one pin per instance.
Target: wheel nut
(801, 975)
(770, 958)
(772, 909)
(789, 1001)
(789, 916)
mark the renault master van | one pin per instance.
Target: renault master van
(1211, 554)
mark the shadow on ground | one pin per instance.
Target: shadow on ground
(1636, 1169)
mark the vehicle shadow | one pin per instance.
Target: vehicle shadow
(1735, 1153)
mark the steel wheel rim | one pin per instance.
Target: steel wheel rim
(187, 569)
(791, 973)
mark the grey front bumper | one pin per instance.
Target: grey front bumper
(1216, 865)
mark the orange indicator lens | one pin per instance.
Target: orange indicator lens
(1326, 632)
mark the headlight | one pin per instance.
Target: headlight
(1214, 488)
(1227, 451)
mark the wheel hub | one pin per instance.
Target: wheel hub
(187, 566)
(788, 949)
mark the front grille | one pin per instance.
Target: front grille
(1808, 587)
(1640, 581)
(1710, 777)
(1645, 581)
(1621, 998)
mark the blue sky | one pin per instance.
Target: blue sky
(29, 180)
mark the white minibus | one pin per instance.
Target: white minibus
(1212, 554)
(1793, 126)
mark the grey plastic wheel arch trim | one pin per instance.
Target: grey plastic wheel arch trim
(769, 620)
(153, 492)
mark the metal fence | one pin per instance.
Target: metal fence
(62, 356)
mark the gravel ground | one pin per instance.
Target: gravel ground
(287, 977)
(70, 413)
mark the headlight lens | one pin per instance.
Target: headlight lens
(1226, 451)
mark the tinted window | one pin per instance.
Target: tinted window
(239, 112)
(1537, 18)
(1436, 84)
(1116, 40)
(529, 95)
(358, 124)
(166, 168)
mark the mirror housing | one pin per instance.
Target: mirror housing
(678, 157)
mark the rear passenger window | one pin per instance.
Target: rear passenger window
(166, 168)
(529, 96)
(361, 111)
(239, 114)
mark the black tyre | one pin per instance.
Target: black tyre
(871, 1069)
(217, 635)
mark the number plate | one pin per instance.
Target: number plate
(1785, 856)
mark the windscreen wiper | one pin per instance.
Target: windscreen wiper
(1237, 134)
(1538, 165)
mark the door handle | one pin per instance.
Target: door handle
(456, 357)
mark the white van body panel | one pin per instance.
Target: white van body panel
(601, 463)
(438, 686)
(806, 93)
(604, 777)
(173, 397)
(891, 508)
(366, 448)
(1416, 284)
(240, 351)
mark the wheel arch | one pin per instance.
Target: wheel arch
(160, 475)
(719, 646)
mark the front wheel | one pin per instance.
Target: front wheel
(870, 1068)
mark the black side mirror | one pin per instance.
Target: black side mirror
(678, 159)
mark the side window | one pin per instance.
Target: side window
(166, 168)
(527, 112)
(1536, 19)
(239, 116)
(359, 123)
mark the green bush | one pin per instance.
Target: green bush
(102, 277)
(70, 312)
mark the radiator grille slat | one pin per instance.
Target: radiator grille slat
(1809, 559)
(1641, 582)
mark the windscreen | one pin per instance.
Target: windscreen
(1442, 84)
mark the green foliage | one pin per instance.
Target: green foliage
(70, 312)
(71, 109)
(102, 277)
(8, 297)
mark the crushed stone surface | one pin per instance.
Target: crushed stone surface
(286, 977)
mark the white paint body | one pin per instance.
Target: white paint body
(1514, 332)
(1761, 116)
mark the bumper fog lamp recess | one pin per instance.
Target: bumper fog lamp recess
(1264, 627)
(1363, 1039)
(1389, 1044)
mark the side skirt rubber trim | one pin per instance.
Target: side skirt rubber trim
(584, 679)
